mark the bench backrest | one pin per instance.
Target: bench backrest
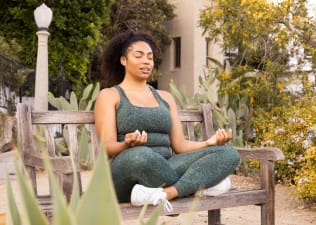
(29, 122)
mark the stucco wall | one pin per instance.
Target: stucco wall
(193, 47)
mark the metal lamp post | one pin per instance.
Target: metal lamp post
(43, 17)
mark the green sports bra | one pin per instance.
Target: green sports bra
(156, 121)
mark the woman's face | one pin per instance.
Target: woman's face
(139, 60)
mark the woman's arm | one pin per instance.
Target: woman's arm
(179, 143)
(105, 121)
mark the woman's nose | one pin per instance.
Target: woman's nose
(147, 60)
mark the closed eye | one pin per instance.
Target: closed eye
(140, 54)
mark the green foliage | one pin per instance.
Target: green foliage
(10, 48)
(97, 205)
(148, 15)
(259, 37)
(30, 205)
(228, 111)
(258, 31)
(12, 75)
(86, 103)
(75, 33)
(291, 127)
(78, 33)
(184, 101)
(305, 179)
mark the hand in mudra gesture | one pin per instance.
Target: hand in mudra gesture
(136, 138)
(221, 137)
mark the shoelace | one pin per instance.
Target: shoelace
(167, 207)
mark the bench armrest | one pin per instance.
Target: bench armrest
(264, 153)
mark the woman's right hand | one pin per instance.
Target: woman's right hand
(135, 138)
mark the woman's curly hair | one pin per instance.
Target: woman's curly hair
(111, 68)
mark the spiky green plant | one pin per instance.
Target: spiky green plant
(97, 205)
(84, 103)
(227, 113)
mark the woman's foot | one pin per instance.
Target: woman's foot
(221, 188)
(142, 195)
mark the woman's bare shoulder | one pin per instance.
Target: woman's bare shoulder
(164, 93)
(109, 94)
(111, 91)
(167, 96)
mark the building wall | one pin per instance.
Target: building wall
(193, 47)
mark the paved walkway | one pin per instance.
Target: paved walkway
(6, 164)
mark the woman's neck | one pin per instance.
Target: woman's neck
(134, 86)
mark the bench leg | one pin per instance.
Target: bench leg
(268, 209)
(214, 217)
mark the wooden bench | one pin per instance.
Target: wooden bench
(263, 196)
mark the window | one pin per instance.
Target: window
(177, 52)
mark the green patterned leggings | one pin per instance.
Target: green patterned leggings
(156, 167)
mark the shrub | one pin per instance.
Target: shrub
(292, 127)
(306, 177)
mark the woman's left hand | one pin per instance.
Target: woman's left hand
(220, 137)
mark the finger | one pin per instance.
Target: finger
(144, 137)
(218, 137)
(230, 133)
(133, 138)
(221, 136)
(220, 133)
(128, 138)
(227, 135)
(138, 137)
(224, 133)
(130, 141)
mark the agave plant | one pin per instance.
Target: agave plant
(224, 116)
(85, 103)
(97, 205)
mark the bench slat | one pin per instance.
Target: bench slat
(63, 117)
(190, 116)
(184, 205)
(59, 164)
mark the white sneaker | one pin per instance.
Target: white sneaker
(221, 188)
(142, 195)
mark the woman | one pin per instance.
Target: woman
(140, 128)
